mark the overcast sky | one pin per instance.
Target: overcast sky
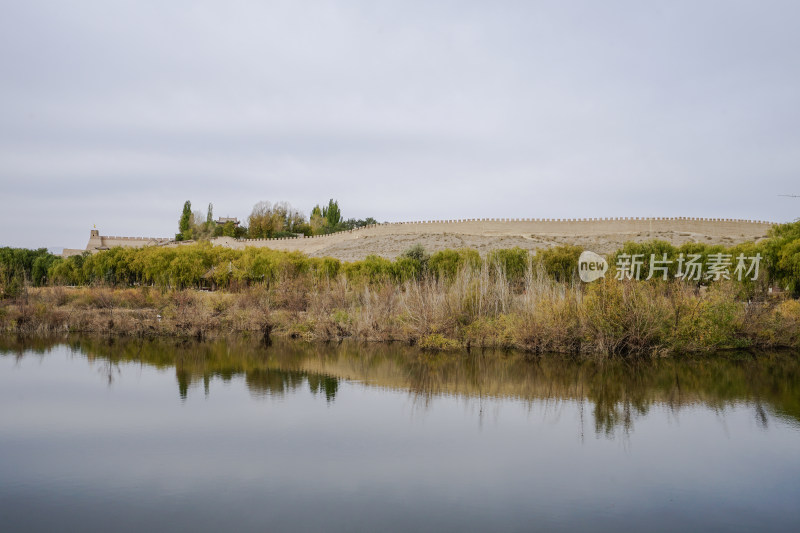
(115, 113)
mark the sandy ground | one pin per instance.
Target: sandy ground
(392, 239)
(391, 246)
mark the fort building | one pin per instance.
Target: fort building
(99, 242)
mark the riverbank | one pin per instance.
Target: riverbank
(472, 310)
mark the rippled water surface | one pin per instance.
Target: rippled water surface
(235, 435)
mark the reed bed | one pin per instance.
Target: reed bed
(474, 307)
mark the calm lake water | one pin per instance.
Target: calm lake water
(235, 435)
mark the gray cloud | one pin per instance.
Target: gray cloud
(114, 113)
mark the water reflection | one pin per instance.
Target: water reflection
(619, 391)
(140, 435)
(275, 382)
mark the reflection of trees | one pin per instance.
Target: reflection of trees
(320, 383)
(275, 382)
(619, 390)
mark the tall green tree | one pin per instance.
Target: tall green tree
(19, 266)
(316, 221)
(332, 214)
(185, 224)
(260, 221)
(782, 256)
(228, 229)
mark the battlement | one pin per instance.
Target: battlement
(568, 228)
(99, 242)
(143, 239)
(561, 220)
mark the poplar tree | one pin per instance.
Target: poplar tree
(185, 224)
(332, 214)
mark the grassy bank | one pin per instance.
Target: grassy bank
(448, 300)
(474, 308)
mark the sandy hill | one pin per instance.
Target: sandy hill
(599, 235)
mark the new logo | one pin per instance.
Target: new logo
(591, 266)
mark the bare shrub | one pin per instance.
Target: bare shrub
(375, 312)
(292, 294)
(427, 308)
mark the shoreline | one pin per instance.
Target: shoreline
(645, 299)
(609, 318)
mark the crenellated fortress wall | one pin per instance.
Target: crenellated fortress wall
(582, 227)
(386, 239)
(99, 242)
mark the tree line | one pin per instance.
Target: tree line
(202, 265)
(267, 221)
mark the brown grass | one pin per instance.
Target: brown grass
(479, 308)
